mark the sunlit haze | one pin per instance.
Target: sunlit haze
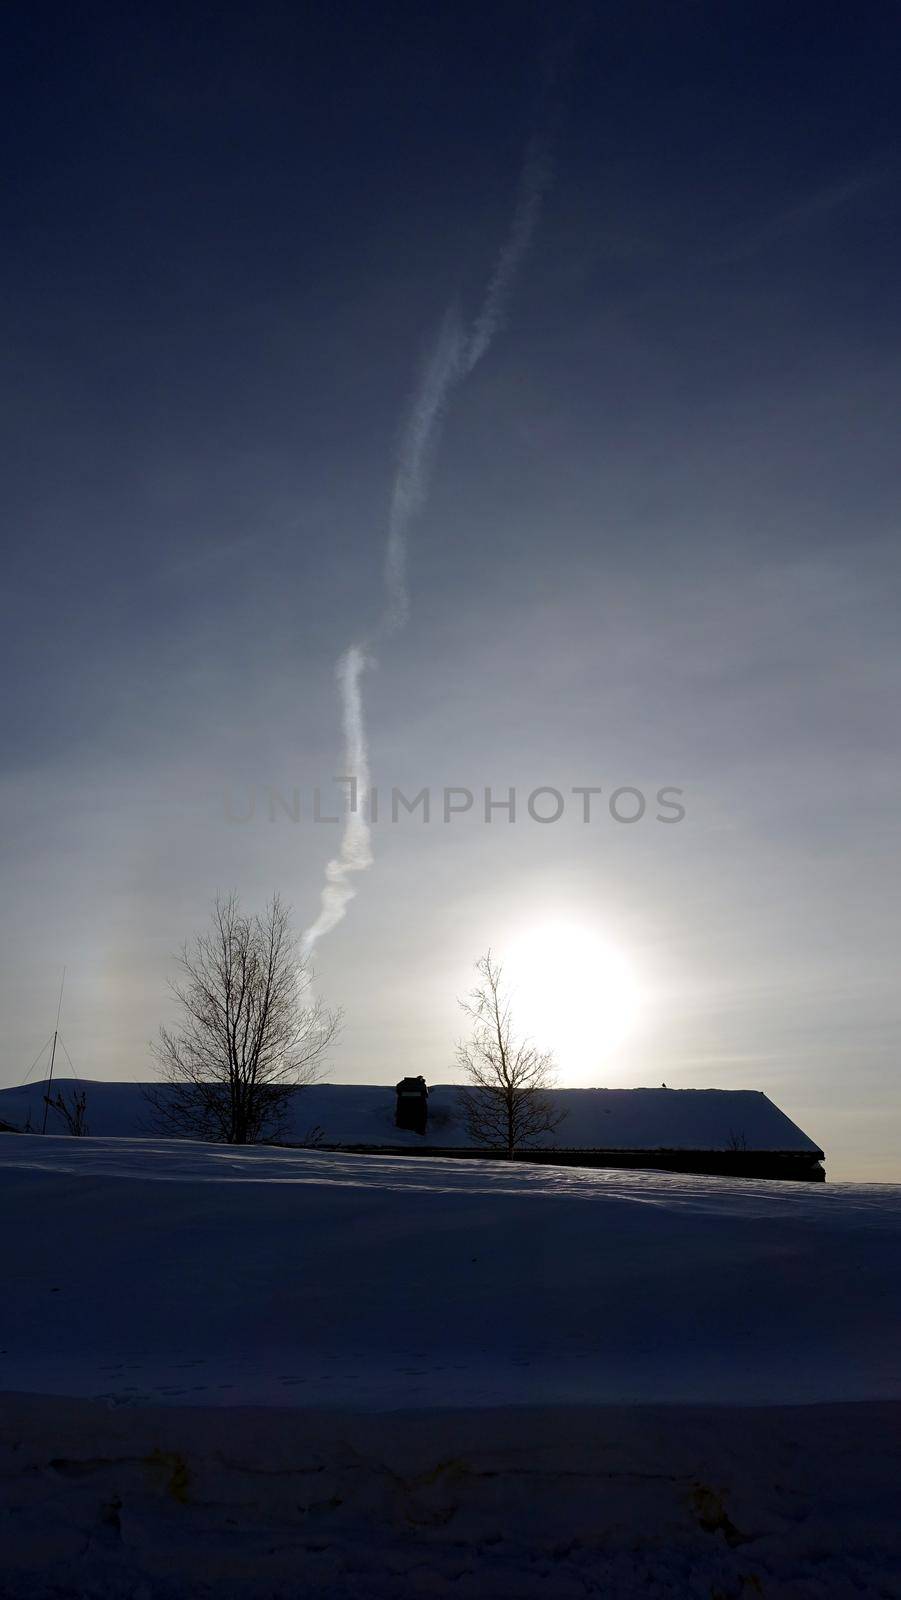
(545, 376)
(575, 994)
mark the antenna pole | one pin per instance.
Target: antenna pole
(53, 1054)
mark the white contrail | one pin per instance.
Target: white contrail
(453, 358)
(533, 181)
(355, 853)
(455, 353)
(417, 448)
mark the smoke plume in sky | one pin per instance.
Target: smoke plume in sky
(455, 353)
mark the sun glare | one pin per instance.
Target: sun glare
(573, 994)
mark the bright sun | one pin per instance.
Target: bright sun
(572, 993)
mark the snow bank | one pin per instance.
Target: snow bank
(261, 1373)
(165, 1271)
(606, 1119)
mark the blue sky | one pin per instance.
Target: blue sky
(659, 547)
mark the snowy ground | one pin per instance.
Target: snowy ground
(483, 1505)
(460, 1368)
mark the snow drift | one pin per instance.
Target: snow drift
(166, 1271)
(265, 1371)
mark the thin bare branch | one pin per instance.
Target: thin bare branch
(505, 1101)
(250, 1036)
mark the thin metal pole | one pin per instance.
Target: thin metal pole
(53, 1055)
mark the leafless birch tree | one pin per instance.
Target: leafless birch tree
(505, 1103)
(74, 1112)
(250, 1032)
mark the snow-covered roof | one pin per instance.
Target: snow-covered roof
(363, 1114)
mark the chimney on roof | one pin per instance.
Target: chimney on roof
(412, 1110)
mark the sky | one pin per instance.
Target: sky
(658, 548)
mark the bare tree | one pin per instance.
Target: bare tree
(250, 1033)
(74, 1113)
(505, 1103)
